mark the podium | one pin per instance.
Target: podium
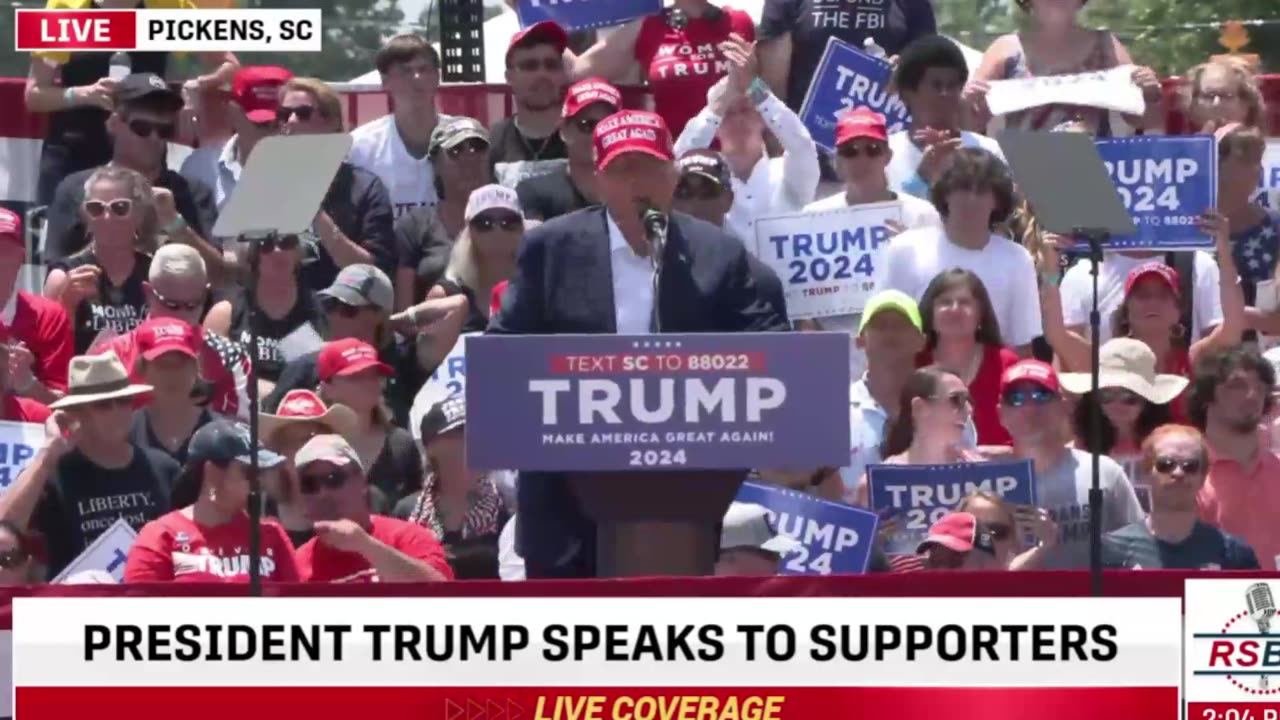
(655, 434)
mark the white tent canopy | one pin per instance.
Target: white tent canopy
(499, 29)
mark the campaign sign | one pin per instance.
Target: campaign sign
(848, 78)
(107, 553)
(657, 402)
(834, 538)
(826, 259)
(922, 494)
(450, 378)
(585, 14)
(19, 442)
(1269, 184)
(1167, 183)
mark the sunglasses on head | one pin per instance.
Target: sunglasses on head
(960, 400)
(487, 222)
(304, 113)
(1166, 465)
(1030, 396)
(10, 559)
(119, 208)
(334, 305)
(270, 245)
(694, 190)
(310, 483)
(850, 150)
(187, 305)
(1118, 395)
(474, 146)
(551, 64)
(145, 128)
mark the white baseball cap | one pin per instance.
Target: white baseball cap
(490, 197)
(747, 525)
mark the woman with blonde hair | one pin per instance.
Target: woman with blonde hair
(485, 252)
(101, 287)
(1222, 91)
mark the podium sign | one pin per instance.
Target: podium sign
(658, 402)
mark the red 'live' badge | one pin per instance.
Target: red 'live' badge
(76, 30)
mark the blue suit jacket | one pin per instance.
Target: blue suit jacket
(563, 284)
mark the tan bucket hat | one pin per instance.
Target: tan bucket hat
(94, 378)
(1129, 364)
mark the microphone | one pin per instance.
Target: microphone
(1262, 607)
(655, 229)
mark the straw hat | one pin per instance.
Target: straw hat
(94, 378)
(1129, 364)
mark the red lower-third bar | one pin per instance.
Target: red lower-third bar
(354, 703)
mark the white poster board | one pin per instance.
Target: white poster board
(19, 442)
(827, 260)
(1108, 89)
(106, 553)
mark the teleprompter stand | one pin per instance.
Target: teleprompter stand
(279, 193)
(1064, 179)
(659, 522)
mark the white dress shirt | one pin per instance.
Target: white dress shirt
(776, 185)
(632, 284)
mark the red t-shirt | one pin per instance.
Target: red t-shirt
(174, 548)
(223, 363)
(684, 64)
(319, 562)
(985, 391)
(25, 410)
(43, 326)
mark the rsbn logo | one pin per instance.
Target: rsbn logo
(1244, 651)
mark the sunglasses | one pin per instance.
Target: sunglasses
(551, 64)
(1038, 396)
(119, 208)
(311, 484)
(304, 113)
(1118, 395)
(853, 151)
(187, 305)
(960, 400)
(11, 559)
(1166, 465)
(145, 128)
(506, 221)
(288, 242)
(474, 146)
(334, 305)
(698, 191)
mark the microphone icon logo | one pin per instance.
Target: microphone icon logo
(1262, 608)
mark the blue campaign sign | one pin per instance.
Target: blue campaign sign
(1167, 183)
(833, 538)
(646, 402)
(1269, 184)
(922, 494)
(19, 443)
(848, 78)
(585, 14)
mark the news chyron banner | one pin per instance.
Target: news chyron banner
(192, 30)
(598, 658)
(1232, 650)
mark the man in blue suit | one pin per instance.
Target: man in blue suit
(593, 271)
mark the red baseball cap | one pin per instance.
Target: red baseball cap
(1032, 371)
(256, 89)
(861, 123)
(158, 336)
(1153, 269)
(959, 531)
(547, 31)
(631, 131)
(11, 227)
(348, 357)
(588, 92)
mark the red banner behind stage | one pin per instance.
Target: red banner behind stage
(601, 703)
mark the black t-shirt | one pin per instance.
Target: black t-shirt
(399, 391)
(1133, 547)
(65, 231)
(514, 157)
(83, 499)
(120, 308)
(550, 196)
(397, 471)
(142, 434)
(893, 24)
(270, 362)
(359, 204)
(422, 244)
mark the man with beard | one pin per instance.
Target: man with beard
(528, 143)
(1230, 395)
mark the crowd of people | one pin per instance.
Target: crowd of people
(136, 357)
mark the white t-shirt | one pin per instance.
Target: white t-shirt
(1077, 291)
(377, 147)
(906, 158)
(914, 259)
(916, 213)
